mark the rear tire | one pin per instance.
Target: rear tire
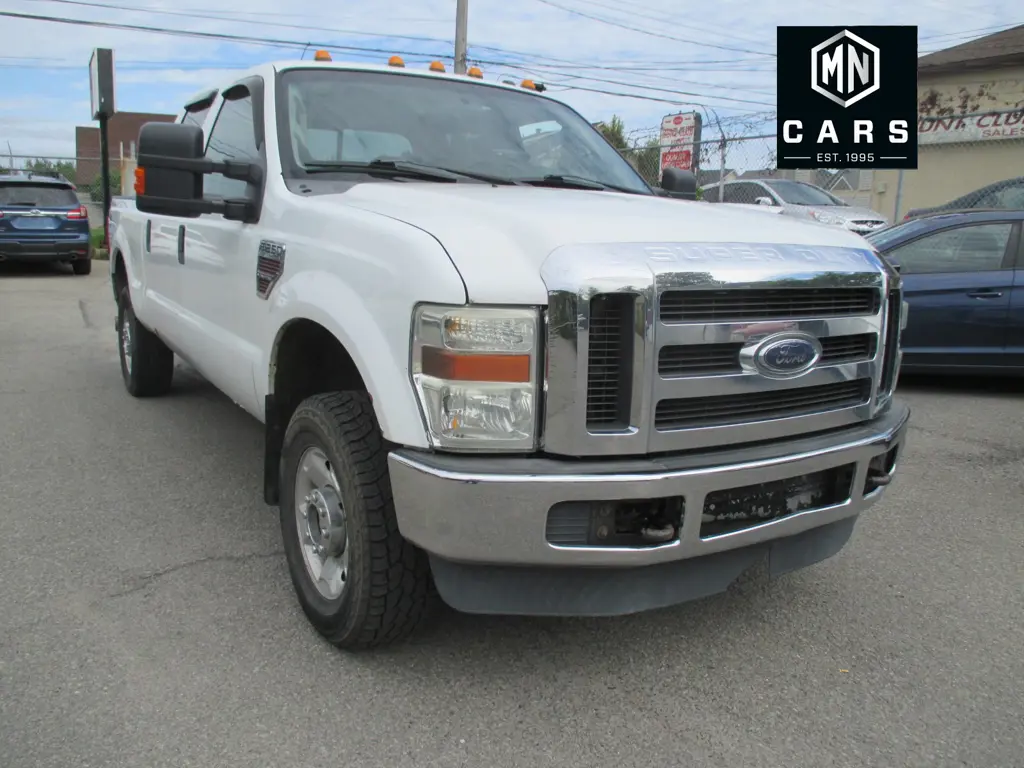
(147, 365)
(81, 266)
(378, 590)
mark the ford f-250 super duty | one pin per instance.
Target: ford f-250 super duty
(493, 364)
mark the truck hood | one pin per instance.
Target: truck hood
(498, 237)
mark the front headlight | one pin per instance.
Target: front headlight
(827, 218)
(476, 371)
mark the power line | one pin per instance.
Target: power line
(613, 23)
(284, 43)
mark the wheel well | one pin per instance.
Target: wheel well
(120, 275)
(307, 360)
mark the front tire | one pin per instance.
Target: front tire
(360, 583)
(147, 365)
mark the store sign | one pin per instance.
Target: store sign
(680, 141)
(988, 126)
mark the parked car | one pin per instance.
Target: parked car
(1007, 194)
(797, 198)
(527, 380)
(42, 220)
(963, 277)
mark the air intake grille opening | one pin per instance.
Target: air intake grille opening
(609, 369)
(712, 359)
(725, 410)
(766, 304)
(892, 333)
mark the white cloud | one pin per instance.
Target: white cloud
(157, 72)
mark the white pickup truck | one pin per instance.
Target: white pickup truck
(503, 372)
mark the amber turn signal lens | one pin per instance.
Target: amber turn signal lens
(453, 366)
(140, 181)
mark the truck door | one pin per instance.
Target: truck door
(958, 282)
(1015, 321)
(218, 273)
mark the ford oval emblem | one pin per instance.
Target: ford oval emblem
(787, 355)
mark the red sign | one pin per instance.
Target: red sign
(678, 133)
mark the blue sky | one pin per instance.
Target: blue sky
(713, 57)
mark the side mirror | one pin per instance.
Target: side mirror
(679, 183)
(170, 169)
(764, 201)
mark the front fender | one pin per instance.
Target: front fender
(373, 329)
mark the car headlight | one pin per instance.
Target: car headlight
(827, 218)
(476, 371)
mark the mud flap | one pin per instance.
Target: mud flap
(273, 440)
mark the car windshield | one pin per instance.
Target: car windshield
(883, 238)
(799, 193)
(37, 195)
(338, 116)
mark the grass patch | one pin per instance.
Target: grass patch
(96, 237)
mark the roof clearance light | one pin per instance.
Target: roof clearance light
(475, 72)
(322, 56)
(436, 66)
(396, 61)
(528, 84)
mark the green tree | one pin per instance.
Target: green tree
(65, 168)
(615, 131)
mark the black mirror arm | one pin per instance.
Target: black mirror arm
(232, 210)
(231, 169)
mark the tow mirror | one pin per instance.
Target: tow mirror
(679, 183)
(169, 174)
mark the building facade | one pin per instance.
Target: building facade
(123, 134)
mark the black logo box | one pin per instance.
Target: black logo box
(891, 87)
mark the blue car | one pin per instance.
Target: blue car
(963, 276)
(42, 220)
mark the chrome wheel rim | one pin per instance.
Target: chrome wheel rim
(126, 342)
(321, 524)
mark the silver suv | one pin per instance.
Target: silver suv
(797, 198)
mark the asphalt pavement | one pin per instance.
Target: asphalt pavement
(147, 618)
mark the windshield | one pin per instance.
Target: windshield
(799, 193)
(883, 238)
(335, 116)
(37, 195)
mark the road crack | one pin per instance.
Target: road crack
(143, 581)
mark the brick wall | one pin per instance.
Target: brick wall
(123, 131)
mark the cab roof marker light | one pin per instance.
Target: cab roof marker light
(436, 66)
(475, 72)
(528, 84)
(322, 56)
(396, 61)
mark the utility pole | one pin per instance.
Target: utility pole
(461, 22)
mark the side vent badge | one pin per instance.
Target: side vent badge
(269, 266)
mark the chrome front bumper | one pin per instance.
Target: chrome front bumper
(494, 510)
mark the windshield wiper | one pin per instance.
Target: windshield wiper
(393, 168)
(568, 181)
(408, 169)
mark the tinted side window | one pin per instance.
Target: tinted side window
(196, 117)
(975, 248)
(232, 138)
(743, 192)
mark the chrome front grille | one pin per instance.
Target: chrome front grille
(724, 410)
(658, 355)
(765, 304)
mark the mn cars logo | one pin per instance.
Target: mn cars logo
(845, 68)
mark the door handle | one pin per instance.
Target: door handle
(181, 243)
(985, 293)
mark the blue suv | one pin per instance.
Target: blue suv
(42, 220)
